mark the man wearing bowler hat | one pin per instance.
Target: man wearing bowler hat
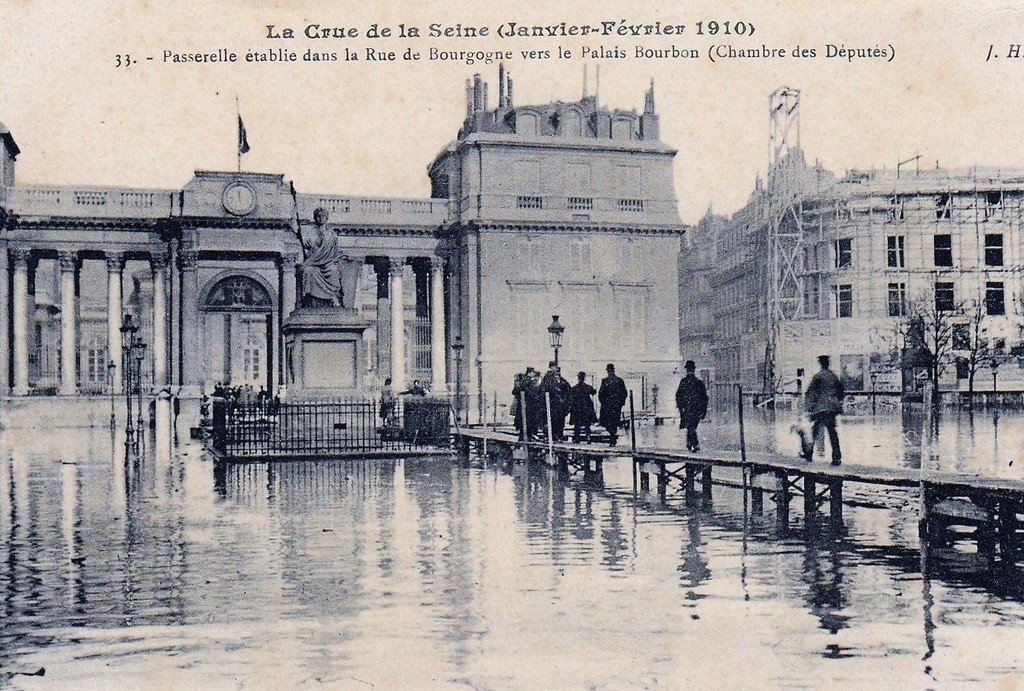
(823, 401)
(692, 402)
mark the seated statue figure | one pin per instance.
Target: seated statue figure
(319, 271)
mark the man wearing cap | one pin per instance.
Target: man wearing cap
(823, 401)
(692, 402)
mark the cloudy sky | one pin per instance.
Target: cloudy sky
(371, 129)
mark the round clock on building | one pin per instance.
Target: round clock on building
(239, 198)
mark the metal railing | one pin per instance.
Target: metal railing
(328, 428)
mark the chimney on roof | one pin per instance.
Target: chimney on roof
(649, 126)
(478, 95)
(508, 91)
(485, 109)
(470, 106)
(501, 85)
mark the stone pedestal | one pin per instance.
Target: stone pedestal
(324, 352)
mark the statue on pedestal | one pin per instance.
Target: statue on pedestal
(319, 271)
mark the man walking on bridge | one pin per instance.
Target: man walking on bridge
(824, 400)
(692, 402)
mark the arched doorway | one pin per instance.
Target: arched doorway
(238, 333)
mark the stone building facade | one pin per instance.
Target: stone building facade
(566, 208)
(877, 247)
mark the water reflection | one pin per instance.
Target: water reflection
(477, 573)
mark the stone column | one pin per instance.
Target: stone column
(288, 297)
(192, 361)
(68, 325)
(21, 258)
(438, 351)
(395, 268)
(159, 265)
(115, 265)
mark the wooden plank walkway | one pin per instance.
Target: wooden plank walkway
(867, 474)
(991, 505)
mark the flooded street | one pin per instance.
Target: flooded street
(428, 571)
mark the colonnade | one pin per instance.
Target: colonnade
(68, 263)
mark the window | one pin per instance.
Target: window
(631, 316)
(943, 205)
(995, 299)
(961, 337)
(895, 254)
(812, 297)
(96, 361)
(943, 250)
(844, 300)
(896, 209)
(579, 256)
(844, 253)
(897, 299)
(993, 249)
(945, 298)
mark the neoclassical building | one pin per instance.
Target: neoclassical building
(564, 208)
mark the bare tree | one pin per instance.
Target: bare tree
(972, 338)
(929, 333)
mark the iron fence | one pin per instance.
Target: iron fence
(328, 428)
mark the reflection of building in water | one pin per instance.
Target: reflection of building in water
(867, 248)
(563, 208)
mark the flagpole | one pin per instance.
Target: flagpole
(238, 148)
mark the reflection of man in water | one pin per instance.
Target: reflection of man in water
(321, 278)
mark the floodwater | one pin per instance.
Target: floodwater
(427, 572)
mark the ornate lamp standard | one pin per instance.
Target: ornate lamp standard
(555, 332)
(994, 364)
(128, 331)
(457, 347)
(139, 354)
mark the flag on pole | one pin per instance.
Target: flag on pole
(243, 142)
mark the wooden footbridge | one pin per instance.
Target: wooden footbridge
(991, 506)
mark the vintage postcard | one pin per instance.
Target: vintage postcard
(511, 344)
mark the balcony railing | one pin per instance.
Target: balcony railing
(344, 209)
(104, 202)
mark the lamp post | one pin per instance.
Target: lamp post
(128, 331)
(139, 352)
(874, 390)
(994, 364)
(111, 367)
(555, 332)
(457, 346)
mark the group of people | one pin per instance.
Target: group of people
(244, 394)
(389, 400)
(532, 394)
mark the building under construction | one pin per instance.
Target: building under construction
(819, 264)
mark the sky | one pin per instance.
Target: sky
(371, 129)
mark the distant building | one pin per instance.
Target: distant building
(873, 246)
(698, 261)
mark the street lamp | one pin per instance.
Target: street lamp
(128, 331)
(555, 332)
(457, 347)
(139, 352)
(994, 364)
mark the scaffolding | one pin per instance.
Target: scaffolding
(784, 215)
